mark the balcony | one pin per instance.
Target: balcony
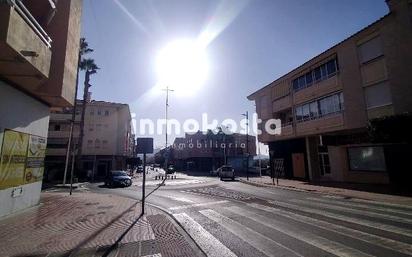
(282, 104)
(323, 124)
(25, 53)
(317, 90)
(286, 132)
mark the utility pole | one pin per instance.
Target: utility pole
(167, 118)
(144, 182)
(247, 144)
(72, 121)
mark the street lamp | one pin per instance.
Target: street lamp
(246, 115)
(167, 89)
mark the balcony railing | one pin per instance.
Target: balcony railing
(29, 19)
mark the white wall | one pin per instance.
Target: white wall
(23, 113)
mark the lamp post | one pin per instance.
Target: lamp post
(246, 115)
(167, 89)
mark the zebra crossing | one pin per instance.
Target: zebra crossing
(300, 227)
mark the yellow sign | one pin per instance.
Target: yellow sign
(13, 158)
(35, 159)
(22, 159)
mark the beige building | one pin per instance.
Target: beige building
(207, 151)
(39, 42)
(107, 144)
(326, 103)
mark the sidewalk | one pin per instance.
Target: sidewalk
(329, 188)
(88, 224)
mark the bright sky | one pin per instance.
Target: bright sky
(248, 45)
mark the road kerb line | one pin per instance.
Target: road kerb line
(209, 244)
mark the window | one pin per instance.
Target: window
(295, 84)
(314, 111)
(370, 50)
(309, 78)
(371, 158)
(299, 114)
(320, 73)
(99, 112)
(305, 111)
(91, 112)
(324, 72)
(97, 143)
(57, 127)
(91, 128)
(106, 113)
(324, 106)
(324, 163)
(331, 67)
(378, 95)
(330, 104)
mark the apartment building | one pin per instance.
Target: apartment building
(108, 139)
(207, 151)
(325, 105)
(39, 42)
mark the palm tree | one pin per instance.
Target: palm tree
(90, 67)
(82, 64)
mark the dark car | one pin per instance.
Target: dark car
(171, 169)
(118, 178)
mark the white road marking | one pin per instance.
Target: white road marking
(370, 207)
(322, 243)
(179, 199)
(409, 207)
(257, 240)
(169, 182)
(353, 211)
(196, 205)
(209, 244)
(363, 222)
(359, 235)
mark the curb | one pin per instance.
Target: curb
(170, 215)
(278, 187)
(346, 196)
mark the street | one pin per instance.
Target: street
(228, 218)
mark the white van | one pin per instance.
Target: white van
(226, 172)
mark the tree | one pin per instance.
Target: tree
(90, 67)
(81, 65)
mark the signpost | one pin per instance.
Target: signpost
(144, 145)
(279, 169)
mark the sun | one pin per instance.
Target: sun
(182, 65)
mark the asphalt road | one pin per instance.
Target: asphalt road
(228, 218)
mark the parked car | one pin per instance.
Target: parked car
(118, 178)
(171, 169)
(226, 172)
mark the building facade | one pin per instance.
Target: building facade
(326, 104)
(208, 151)
(39, 43)
(107, 143)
